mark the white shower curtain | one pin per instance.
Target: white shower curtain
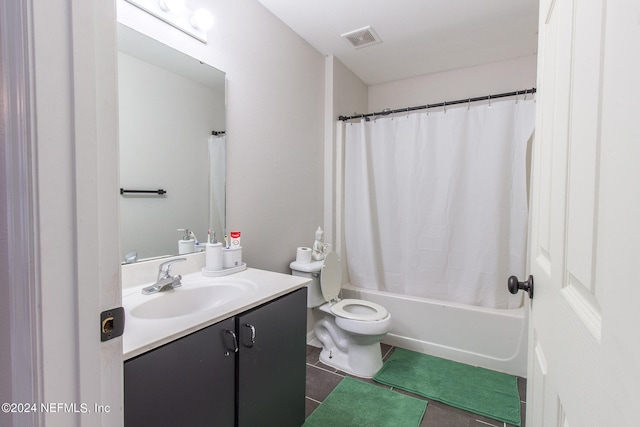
(435, 205)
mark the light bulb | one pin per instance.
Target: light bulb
(202, 19)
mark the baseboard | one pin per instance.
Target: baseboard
(312, 340)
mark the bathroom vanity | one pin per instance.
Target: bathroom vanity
(238, 363)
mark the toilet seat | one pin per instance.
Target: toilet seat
(357, 309)
(353, 309)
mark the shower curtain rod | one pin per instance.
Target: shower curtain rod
(439, 104)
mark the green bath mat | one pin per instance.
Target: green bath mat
(478, 390)
(355, 403)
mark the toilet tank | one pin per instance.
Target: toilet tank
(310, 270)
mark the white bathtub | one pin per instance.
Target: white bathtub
(490, 338)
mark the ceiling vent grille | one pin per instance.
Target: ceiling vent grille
(362, 37)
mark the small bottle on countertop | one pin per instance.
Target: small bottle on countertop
(235, 239)
(214, 253)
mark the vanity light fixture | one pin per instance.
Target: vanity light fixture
(171, 5)
(176, 14)
(202, 19)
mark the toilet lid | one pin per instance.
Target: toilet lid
(357, 309)
(331, 277)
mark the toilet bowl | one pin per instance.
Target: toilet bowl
(349, 330)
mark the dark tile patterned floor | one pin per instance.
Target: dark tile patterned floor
(322, 379)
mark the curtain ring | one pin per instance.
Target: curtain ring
(445, 107)
(516, 97)
(469, 105)
(489, 101)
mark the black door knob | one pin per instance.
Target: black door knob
(514, 285)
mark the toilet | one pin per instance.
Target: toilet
(350, 330)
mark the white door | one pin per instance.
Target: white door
(584, 350)
(59, 101)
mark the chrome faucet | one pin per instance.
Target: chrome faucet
(165, 280)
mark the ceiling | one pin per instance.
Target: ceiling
(419, 37)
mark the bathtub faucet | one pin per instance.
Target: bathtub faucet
(165, 280)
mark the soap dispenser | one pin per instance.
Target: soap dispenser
(186, 245)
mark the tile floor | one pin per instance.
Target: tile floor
(322, 379)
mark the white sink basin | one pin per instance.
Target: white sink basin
(192, 297)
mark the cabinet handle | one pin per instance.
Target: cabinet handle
(235, 343)
(253, 335)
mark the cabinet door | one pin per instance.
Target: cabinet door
(271, 366)
(188, 382)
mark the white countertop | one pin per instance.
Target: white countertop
(142, 335)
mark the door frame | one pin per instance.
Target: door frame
(18, 310)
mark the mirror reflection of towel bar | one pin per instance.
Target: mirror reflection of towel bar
(159, 191)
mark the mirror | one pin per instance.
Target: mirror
(169, 105)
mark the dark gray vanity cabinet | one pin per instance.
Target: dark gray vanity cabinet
(188, 382)
(196, 381)
(272, 363)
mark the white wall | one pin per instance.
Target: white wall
(493, 78)
(350, 94)
(275, 106)
(344, 92)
